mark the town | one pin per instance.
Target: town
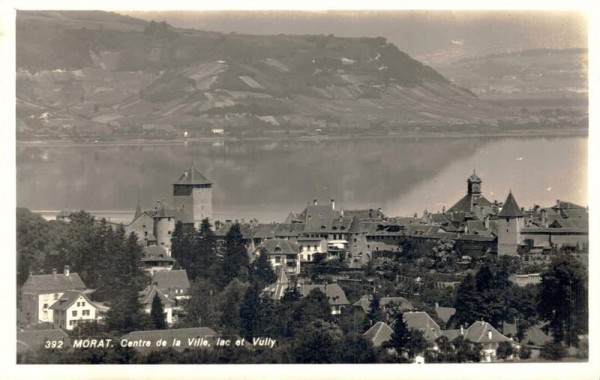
(480, 281)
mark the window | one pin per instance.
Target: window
(78, 304)
(277, 259)
(72, 323)
(74, 313)
(45, 306)
(85, 313)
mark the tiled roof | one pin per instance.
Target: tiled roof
(48, 283)
(154, 251)
(445, 313)
(265, 231)
(35, 339)
(475, 237)
(379, 333)
(510, 209)
(479, 332)
(147, 296)
(451, 334)
(469, 202)
(68, 298)
(192, 177)
(365, 214)
(420, 320)
(319, 212)
(280, 246)
(335, 294)
(172, 279)
(276, 290)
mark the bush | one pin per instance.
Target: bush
(553, 351)
(525, 353)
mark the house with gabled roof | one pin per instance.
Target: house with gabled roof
(72, 308)
(335, 295)
(147, 297)
(378, 334)
(485, 334)
(420, 320)
(39, 292)
(282, 253)
(156, 259)
(174, 283)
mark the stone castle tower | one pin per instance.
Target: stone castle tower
(510, 222)
(192, 196)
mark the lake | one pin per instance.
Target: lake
(268, 179)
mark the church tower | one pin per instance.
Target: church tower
(474, 184)
(510, 222)
(192, 196)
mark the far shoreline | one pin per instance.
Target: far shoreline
(556, 132)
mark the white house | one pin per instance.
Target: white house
(71, 308)
(309, 247)
(41, 291)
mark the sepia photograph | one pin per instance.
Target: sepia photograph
(301, 187)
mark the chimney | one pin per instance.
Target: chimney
(53, 272)
(314, 202)
(462, 330)
(332, 204)
(342, 212)
(437, 305)
(486, 222)
(370, 213)
(489, 334)
(67, 270)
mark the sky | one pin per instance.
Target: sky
(433, 37)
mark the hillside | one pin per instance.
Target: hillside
(544, 81)
(100, 75)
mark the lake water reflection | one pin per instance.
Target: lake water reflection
(267, 179)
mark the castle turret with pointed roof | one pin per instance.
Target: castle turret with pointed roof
(192, 195)
(510, 222)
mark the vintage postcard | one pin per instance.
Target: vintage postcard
(382, 187)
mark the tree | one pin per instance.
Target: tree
(250, 313)
(157, 313)
(229, 307)
(262, 271)
(204, 250)
(318, 342)
(407, 342)
(236, 255)
(375, 313)
(466, 351)
(504, 350)
(126, 313)
(553, 351)
(487, 296)
(563, 299)
(32, 243)
(202, 308)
